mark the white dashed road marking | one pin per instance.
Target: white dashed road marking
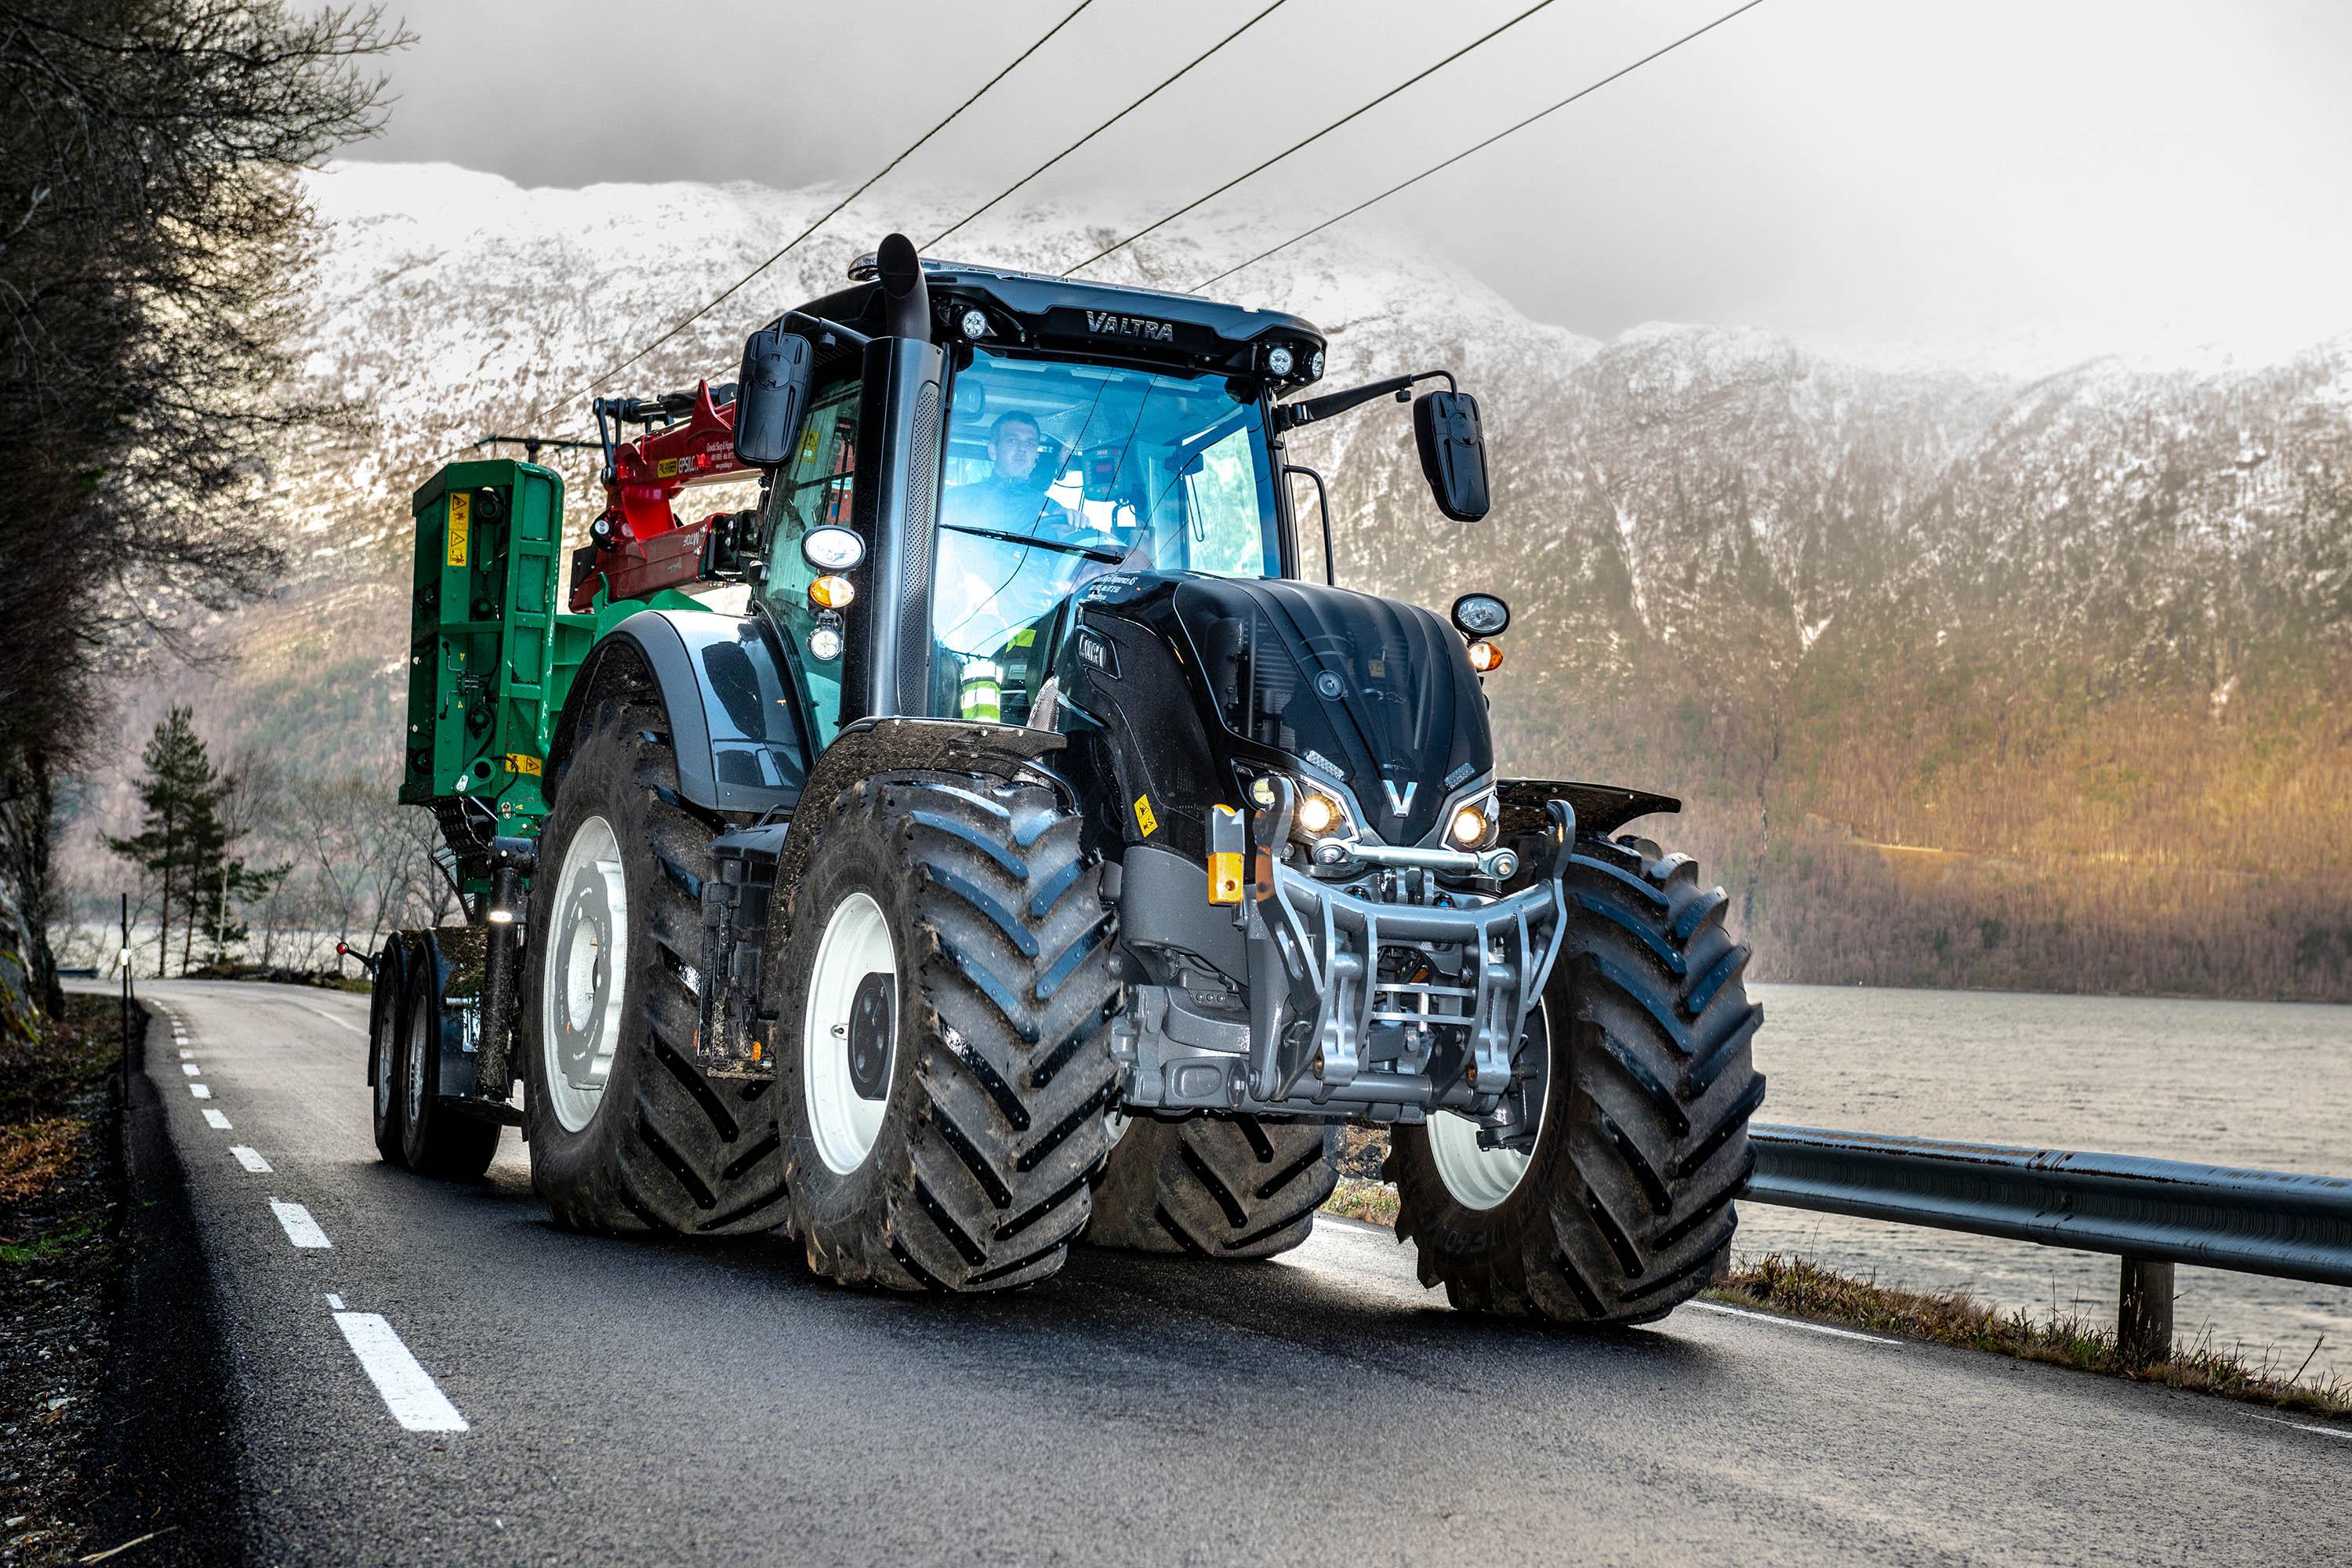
(335, 1300)
(192, 1070)
(1793, 1323)
(252, 1160)
(187, 1056)
(409, 1391)
(219, 1122)
(300, 1228)
(2302, 1425)
(201, 1090)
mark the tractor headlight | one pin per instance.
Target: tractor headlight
(1473, 823)
(1317, 812)
(1278, 360)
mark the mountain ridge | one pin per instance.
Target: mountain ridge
(1807, 593)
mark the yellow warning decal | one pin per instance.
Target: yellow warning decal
(666, 468)
(1143, 817)
(519, 764)
(461, 523)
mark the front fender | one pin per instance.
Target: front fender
(734, 722)
(874, 746)
(1600, 809)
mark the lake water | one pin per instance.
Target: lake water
(2259, 1084)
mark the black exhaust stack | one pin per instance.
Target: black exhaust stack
(901, 271)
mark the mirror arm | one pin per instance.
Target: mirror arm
(816, 329)
(1290, 415)
(1323, 501)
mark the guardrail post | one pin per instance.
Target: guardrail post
(2144, 1312)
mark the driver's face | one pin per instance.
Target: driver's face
(1015, 448)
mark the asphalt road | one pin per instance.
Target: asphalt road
(628, 1401)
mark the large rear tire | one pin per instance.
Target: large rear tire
(434, 1141)
(1241, 1187)
(626, 1131)
(1623, 1208)
(942, 1054)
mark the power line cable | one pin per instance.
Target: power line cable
(1106, 125)
(1278, 157)
(728, 292)
(1481, 146)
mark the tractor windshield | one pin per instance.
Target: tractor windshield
(1058, 472)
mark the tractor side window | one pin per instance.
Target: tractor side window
(814, 489)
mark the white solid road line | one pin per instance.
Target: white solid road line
(218, 1120)
(250, 1158)
(1793, 1324)
(201, 1090)
(409, 1391)
(300, 1228)
(190, 1069)
(2302, 1425)
(346, 1023)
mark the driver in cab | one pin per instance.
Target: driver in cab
(1011, 498)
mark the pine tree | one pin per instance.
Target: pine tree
(183, 838)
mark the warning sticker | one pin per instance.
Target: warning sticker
(461, 523)
(1143, 817)
(519, 764)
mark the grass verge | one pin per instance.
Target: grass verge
(1804, 1290)
(60, 1274)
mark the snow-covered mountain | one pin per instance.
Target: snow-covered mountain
(1742, 569)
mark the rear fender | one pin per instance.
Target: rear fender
(734, 722)
(1600, 809)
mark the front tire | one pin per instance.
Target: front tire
(942, 1051)
(1624, 1205)
(1241, 1187)
(626, 1131)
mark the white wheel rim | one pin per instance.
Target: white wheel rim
(1479, 1178)
(387, 1055)
(586, 976)
(843, 1118)
(420, 1040)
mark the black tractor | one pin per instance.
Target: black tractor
(1043, 859)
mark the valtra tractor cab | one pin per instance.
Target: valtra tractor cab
(1040, 856)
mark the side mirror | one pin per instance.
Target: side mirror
(1453, 452)
(768, 394)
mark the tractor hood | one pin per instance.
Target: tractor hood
(1376, 696)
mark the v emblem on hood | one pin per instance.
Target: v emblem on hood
(1399, 800)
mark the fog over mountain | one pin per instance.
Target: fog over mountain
(1967, 679)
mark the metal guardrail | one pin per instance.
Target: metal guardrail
(2154, 1214)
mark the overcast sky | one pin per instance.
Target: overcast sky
(2126, 174)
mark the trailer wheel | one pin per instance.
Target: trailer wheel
(434, 1141)
(385, 1052)
(626, 1131)
(942, 1050)
(1243, 1186)
(1622, 1208)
